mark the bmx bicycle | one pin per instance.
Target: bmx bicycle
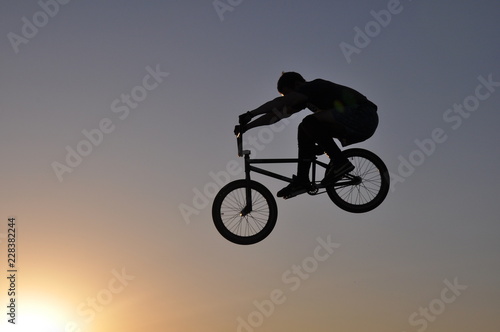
(245, 212)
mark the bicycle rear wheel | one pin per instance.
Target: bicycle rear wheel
(364, 188)
(240, 226)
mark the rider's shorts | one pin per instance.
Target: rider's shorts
(360, 122)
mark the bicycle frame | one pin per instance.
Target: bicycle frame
(249, 168)
(249, 162)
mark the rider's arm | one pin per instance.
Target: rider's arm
(269, 118)
(291, 99)
(277, 109)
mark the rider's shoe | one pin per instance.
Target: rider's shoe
(335, 171)
(296, 187)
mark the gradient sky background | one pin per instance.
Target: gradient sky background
(119, 209)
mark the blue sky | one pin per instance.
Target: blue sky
(119, 208)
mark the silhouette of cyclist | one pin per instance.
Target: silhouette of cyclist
(338, 112)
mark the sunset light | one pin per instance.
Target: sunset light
(37, 316)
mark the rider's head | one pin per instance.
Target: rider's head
(289, 82)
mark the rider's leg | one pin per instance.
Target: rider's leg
(306, 152)
(301, 182)
(318, 131)
(323, 133)
(311, 131)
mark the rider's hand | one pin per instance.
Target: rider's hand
(245, 118)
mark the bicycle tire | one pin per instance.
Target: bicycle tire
(252, 227)
(369, 189)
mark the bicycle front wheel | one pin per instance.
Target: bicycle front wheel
(364, 188)
(236, 224)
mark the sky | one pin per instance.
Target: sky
(116, 123)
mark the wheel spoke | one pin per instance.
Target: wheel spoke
(365, 187)
(249, 224)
